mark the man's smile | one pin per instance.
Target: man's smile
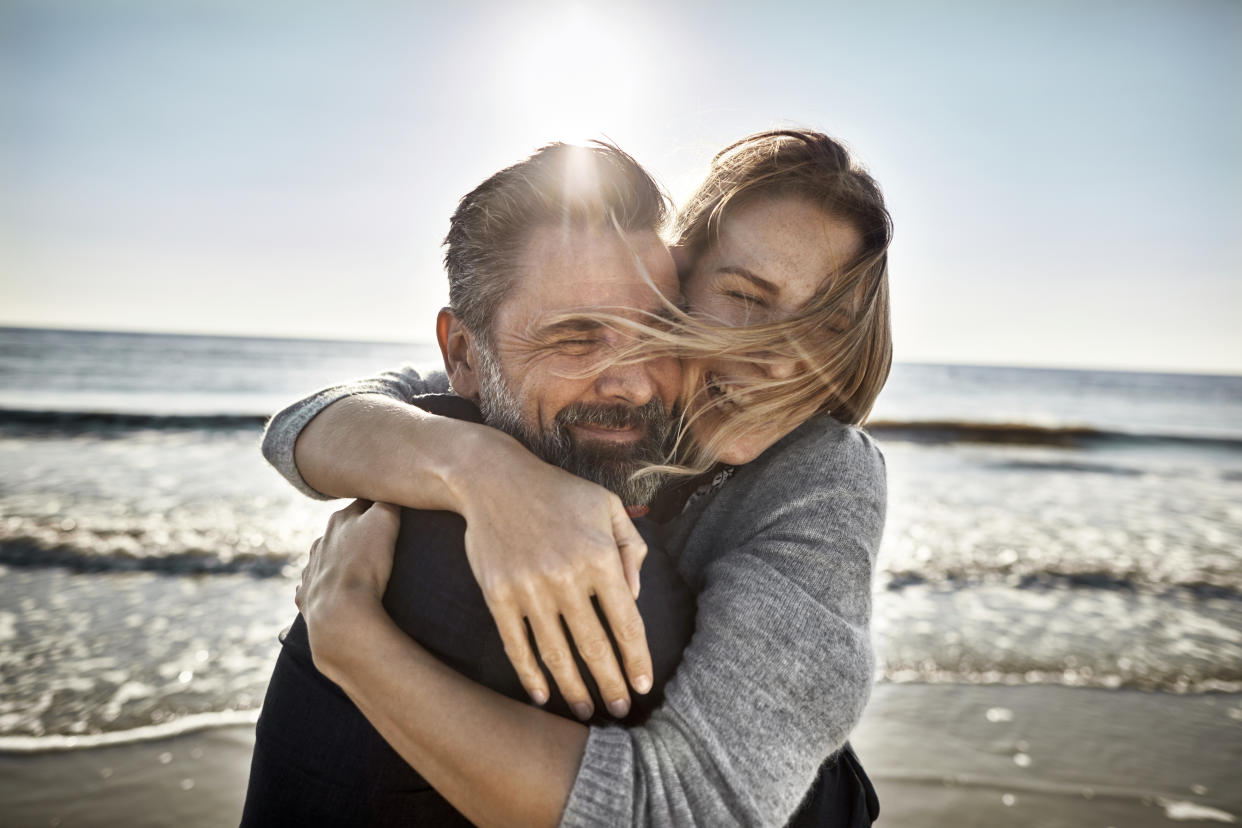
(609, 434)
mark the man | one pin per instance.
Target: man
(569, 229)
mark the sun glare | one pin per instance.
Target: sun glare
(580, 176)
(576, 74)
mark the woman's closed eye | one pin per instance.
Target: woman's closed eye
(748, 299)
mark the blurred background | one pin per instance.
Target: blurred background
(208, 209)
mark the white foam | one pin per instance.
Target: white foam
(187, 724)
(1183, 811)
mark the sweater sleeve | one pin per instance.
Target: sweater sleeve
(780, 665)
(281, 433)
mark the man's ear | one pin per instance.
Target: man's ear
(457, 348)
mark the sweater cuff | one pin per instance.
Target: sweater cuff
(603, 792)
(281, 434)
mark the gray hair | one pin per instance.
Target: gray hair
(596, 185)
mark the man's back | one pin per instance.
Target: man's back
(317, 760)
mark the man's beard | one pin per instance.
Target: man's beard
(611, 465)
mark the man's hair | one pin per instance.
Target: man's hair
(596, 185)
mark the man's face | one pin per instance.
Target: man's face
(544, 385)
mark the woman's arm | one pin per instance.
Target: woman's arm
(774, 680)
(780, 666)
(285, 449)
(540, 541)
(498, 761)
(778, 672)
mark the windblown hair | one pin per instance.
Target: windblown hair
(850, 363)
(843, 334)
(562, 184)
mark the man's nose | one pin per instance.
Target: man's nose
(630, 383)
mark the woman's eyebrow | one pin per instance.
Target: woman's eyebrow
(758, 281)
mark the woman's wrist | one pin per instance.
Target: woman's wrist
(343, 632)
(469, 473)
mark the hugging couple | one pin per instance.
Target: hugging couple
(627, 576)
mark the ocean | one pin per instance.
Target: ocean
(1076, 528)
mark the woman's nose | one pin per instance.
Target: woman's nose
(781, 368)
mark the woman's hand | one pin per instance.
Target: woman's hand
(345, 579)
(542, 543)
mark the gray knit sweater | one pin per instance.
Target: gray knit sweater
(780, 554)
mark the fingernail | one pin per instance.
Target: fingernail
(619, 707)
(582, 710)
(539, 697)
(642, 684)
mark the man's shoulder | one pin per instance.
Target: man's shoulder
(448, 405)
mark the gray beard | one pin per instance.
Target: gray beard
(611, 466)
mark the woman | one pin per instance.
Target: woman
(787, 242)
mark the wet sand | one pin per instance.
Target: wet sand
(940, 755)
(195, 780)
(1048, 756)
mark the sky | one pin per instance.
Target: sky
(1065, 177)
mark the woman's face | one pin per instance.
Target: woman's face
(772, 257)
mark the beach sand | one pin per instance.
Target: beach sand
(940, 755)
(958, 755)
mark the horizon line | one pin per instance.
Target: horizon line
(1031, 366)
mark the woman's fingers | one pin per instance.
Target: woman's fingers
(299, 591)
(544, 566)
(517, 647)
(345, 576)
(629, 632)
(557, 656)
(596, 650)
(630, 545)
(385, 517)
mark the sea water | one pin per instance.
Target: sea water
(1057, 527)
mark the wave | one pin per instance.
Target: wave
(1202, 586)
(1068, 466)
(92, 554)
(69, 423)
(122, 551)
(145, 733)
(930, 673)
(1068, 436)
